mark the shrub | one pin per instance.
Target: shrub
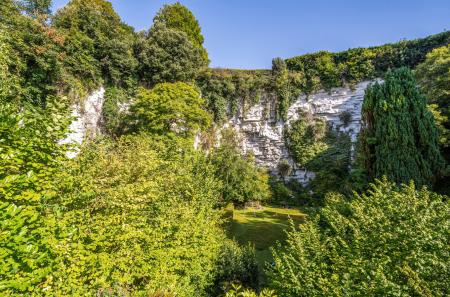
(242, 180)
(169, 110)
(390, 241)
(345, 117)
(134, 218)
(236, 265)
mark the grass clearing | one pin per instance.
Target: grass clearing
(263, 228)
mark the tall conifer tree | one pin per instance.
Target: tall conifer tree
(399, 138)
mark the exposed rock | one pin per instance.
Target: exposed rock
(262, 135)
(87, 120)
(258, 130)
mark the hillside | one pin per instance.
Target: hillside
(129, 167)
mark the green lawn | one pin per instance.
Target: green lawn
(263, 228)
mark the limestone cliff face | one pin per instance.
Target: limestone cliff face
(259, 132)
(262, 135)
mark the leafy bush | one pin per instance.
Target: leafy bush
(242, 181)
(226, 90)
(168, 110)
(114, 109)
(239, 291)
(326, 70)
(305, 138)
(34, 53)
(30, 158)
(235, 265)
(345, 117)
(136, 217)
(281, 194)
(284, 168)
(388, 242)
(281, 86)
(434, 79)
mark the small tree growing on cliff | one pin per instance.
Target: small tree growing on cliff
(399, 138)
(285, 169)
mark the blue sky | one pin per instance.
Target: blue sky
(247, 34)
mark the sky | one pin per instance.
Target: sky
(248, 34)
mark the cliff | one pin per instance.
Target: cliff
(261, 135)
(258, 130)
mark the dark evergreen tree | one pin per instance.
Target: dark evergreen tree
(399, 138)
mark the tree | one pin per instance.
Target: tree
(99, 46)
(167, 55)
(433, 75)
(242, 181)
(390, 241)
(34, 53)
(136, 217)
(169, 110)
(399, 138)
(178, 17)
(37, 7)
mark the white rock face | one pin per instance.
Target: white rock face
(262, 136)
(87, 120)
(259, 132)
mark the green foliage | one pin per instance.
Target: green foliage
(178, 17)
(284, 168)
(332, 166)
(113, 110)
(134, 218)
(168, 110)
(99, 46)
(281, 194)
(326, 70)
(345, 117)
(281, 81)
(30, 157)
(319, 69)
(357, 64)
(389, 242)
(323, 150)
(242, 180)
(34, 53)
(399, 137)
(433, 75)
(305, 138)
(226, 90)
(235, 265)
(9, 83)
(238, 291)
(218, 93)
(167, 55)
(36, 7)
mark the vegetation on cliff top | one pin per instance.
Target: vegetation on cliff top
(140, 212)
